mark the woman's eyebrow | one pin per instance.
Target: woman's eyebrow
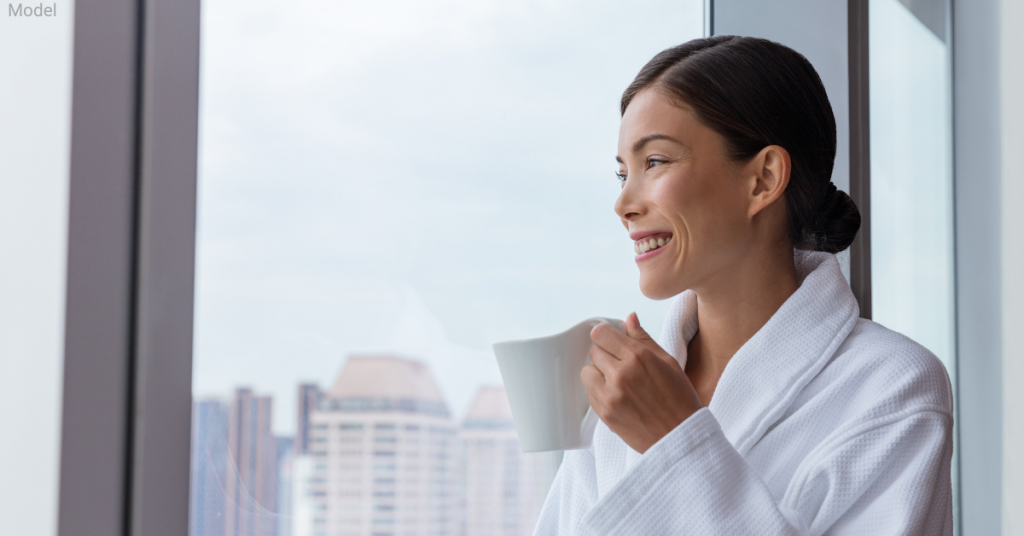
(639, 144)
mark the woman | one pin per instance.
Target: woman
(769, 407)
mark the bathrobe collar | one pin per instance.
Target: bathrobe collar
(766, 374)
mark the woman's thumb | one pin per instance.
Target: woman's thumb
(634, 330)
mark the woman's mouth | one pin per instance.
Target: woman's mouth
(647, 245)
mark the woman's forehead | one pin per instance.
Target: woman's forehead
(655, 116)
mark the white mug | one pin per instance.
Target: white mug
(542, 380)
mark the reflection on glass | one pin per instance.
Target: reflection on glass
(912, 274)
(385, 190)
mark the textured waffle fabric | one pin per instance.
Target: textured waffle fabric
(822, 423)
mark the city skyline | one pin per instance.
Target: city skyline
(377, 452)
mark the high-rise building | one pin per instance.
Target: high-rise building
(504, 488)
(384, 454)
(209, 452)
(285, 474)
(309, 401)
(307, 497)
(251, 473)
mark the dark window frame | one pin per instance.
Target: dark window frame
(126, 420)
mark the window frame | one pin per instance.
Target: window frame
(126, 418)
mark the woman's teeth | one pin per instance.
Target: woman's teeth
(643, 246)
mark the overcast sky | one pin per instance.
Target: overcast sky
(419, 177)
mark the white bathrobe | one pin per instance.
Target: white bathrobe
(822, 423)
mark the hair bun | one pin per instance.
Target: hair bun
(837, 223)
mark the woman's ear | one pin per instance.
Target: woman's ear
(771, 176)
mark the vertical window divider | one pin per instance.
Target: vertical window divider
(94, 446)
(126, 407)
(860, 151)
(160, 427)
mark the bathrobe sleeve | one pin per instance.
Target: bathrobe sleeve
(880, 478)
(573, 493)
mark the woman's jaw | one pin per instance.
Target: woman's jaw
(659, 256)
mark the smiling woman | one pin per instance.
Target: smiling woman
(768, 406)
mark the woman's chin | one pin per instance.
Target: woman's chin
(656, 288)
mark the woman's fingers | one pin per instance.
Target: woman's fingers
(597, 404)
(611, 340)
(634, 330)
(629, 347)
(635, 386)
(592, 378)
(602, 359)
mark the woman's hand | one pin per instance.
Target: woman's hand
(635, 386)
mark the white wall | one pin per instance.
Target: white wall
(35, 112)
(1012, 87)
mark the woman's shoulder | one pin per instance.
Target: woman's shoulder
(886, 371)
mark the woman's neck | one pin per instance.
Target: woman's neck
(731, 308)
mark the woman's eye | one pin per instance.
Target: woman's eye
(620, 176)
(652, 161)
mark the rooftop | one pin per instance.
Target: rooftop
(385, 376)
(490, 406)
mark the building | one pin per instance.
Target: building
(504, 488)
(304, 497)
(383, 455)
(285, 472)
(209, 453)
(309, 401)
(251, 468)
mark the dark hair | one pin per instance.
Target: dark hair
(757, 93)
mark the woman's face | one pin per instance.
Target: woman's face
(682, 191)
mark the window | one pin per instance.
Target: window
(912, 174)
(912, 254)
(385, 189)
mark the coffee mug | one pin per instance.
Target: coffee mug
(542, 380)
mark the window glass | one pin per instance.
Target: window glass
(386, 189)
(35, 130)
(911, 177)
(912, 275)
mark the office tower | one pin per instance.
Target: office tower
(306, 497)
(285, 461)
(383, 454)
(209, 450)
(504, 488)
(309, 400)
(251, 476)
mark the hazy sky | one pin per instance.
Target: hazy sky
(420, 177)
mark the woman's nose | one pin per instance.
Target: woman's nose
(626, 205)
